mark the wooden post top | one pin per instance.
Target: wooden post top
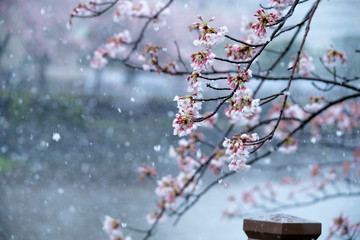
(281, 227)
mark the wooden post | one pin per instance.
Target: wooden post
(281, 227)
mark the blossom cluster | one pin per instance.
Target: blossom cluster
(239, 51)
(321, 177)
(239, 80)
(183, 125)
(293, 114)
(168, 188)
(188, 109)
(85, 8)
(146, 171)
(113, 228)
(129, 9)
(232, 210)
(154, 216)
(265, 20)
(241, 105)
(342, 228)
(201, 60)
(209, 36)
(304, 67)
(315, 104)
(153, 61)
(237, 150)
(114, 47)
(289, 146)
(343, 116)
(333, 57)
(280, 5)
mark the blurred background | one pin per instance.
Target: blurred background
(72, 137)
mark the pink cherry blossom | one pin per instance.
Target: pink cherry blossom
(209, 123)
(290, 146)
(202, 60)
(146, 170)
(116, 44)
(183, 125)
(167, 189)
(218, 162)
(209, 36)
(304, 67)
(123, 9)
(237, 150)
(241, 105)
(247, 197)
(343, 229)
(315, 104)
(333, 57)
(285, 127)
(232, 209)
(99, 59)
(315, 170)
(152, 217)
(183, 179)
(152, 51)
(188, 106)
(242, 77)
(113, 227)
(280, 5)
(239, 51)
(265, 20)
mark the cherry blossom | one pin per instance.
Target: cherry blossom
(315, 170)
(152, 217)
(113, 227)
(85, 8)
(291, 111)
(183, 179)
(183, 125)
(219, 161)
(115, 45)
(237, 150)
(241, 105)
(239, 51)
(247, 197)
(209, 122)
(201, 60)
(153, 63)
(304, 67)
(315, 104)
(280, 5)
(242, 77)
(182, 155)
(146, 170)
(195, 87)
(290, 146)
(113, 48)
(167, 189)
(187, 105)
(160, 20)
(333, 57)
(123, 9)
(99, 59)
(343, 228)
(344, 116)
(209, 36)
(265, 20)
(231, 209)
